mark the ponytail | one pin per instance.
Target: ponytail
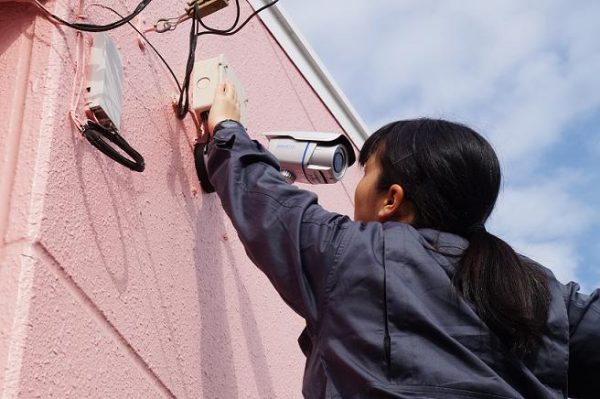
(451, 176)
(510, 295)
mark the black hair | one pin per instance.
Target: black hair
(451, 176)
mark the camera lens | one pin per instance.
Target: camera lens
(339, 161)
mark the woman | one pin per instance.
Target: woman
(414, 299)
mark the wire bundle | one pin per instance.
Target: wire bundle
(99, 136)
(94, 27)
(183, 102)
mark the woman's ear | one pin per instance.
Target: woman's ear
(395, 207)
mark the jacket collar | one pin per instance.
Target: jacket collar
(444, 243)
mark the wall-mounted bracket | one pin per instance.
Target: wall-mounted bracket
(205, 7)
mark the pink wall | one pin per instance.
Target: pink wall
(118, 284)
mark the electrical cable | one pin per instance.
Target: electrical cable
(98, 135)
(233, 32)
(147, 41)
(104, 139)
(183, 102)
(122, 21)
(237, 19)
(93, 27)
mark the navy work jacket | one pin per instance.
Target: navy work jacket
(357, 283)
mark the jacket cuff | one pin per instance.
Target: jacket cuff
(228, 134)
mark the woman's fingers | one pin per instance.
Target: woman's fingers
(235, 94)
(225, 105)
(230, 90)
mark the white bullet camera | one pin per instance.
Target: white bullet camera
(312, 157)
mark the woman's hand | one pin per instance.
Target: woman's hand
(225, 106)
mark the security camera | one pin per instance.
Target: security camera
(312, 157)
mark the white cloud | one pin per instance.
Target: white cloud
(541, 212)
(520, 70)
(559, 256)
(545, 222)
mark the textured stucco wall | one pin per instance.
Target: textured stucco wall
(118, 284)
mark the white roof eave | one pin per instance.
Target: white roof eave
(313, 70)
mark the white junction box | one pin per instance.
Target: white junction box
(207, 75)
(105, 82)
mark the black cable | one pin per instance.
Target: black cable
(150, 44)
(233, 32)
(102, 28)
(101, 137)
(183, 104)
(237, 19)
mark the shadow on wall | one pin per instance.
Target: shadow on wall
(117, 267)
(252, 335)
(218, 369)
(15, 18)
(114, 209)
(218, 377)
(211, 255)
(122, 219)
(15, 21)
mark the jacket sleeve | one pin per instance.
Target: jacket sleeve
(283, 229)
(584, 345)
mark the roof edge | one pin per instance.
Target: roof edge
(309, 64)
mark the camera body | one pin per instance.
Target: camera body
(312, 157)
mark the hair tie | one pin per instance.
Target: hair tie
(476, 229)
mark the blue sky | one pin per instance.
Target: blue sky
(524, 74)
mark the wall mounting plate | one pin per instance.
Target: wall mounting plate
(205, 7)
(207, 75)
(105, 82)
